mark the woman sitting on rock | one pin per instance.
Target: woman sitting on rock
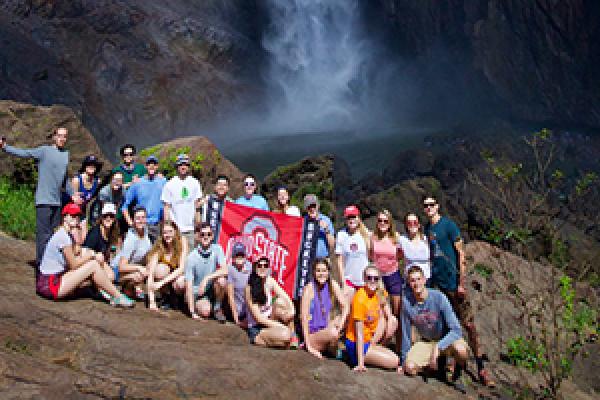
(321, 329)
(166, 263)
(269, 319)
(103, 236)
(130, 264)
(368, 307)
(62, 272)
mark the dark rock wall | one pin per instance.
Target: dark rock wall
(539, 58)
(138, 70)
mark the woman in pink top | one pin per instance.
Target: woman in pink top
(383, 252)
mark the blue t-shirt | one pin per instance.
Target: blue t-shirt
(147, 193)
(433, 319)
(256, 201)
(201, 263)
(442, 237)
(322, 245)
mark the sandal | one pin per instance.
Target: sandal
(122, 301)
(485, 379)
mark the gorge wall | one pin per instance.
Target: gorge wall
(145, 71)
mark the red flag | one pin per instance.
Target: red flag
(275, 236)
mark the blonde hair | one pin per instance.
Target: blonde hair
(391, 233)
(380, 291)
(160, 247)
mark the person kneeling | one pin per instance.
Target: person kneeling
(368, 305)
(269, 323)
(205, 276)
(320, 328)
(62, 272)
(430, 312)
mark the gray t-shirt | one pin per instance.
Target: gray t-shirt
(201, 263)
(239, 280)
(52, 171)
(53, 261)
(135, 248)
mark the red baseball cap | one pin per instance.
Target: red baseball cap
(71, 209)
(351, 211)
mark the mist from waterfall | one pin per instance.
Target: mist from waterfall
(319, 59)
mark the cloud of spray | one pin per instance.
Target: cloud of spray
(320, 60)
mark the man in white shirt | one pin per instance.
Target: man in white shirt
(182, 198)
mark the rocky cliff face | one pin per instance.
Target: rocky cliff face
(137, 70)
(538, 58)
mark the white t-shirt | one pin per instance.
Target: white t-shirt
(415, 253)
(353, 250)
(53, 260)
(293, 211)
(181, 195)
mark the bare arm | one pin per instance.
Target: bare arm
(343, 301)
(74, 262)
(166, 211)
(258, 317)
(231, 300)
(307, 296)
(340, 265)
(189, 294)
(462, 262)
(360, 346)
(279, 292)
(210, 277)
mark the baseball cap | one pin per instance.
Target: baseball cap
(238, 249)
(351, 211)
(182, 159)
(108, 208)
(151, 159)
(310, 199)
(71, 209)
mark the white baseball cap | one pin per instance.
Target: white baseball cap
(109, 208)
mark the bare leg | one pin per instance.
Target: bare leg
(179, 284)
(203, 308)
(273, 337)
(382, 357)
(396, 310)
(160, 272)
(323, 339)
(91, 269)
(285, 314)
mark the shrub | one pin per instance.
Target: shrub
(17, 209)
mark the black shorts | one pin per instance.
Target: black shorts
(253, 333)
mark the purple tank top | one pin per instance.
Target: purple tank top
(320, 307)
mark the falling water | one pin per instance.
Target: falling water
(317, 64)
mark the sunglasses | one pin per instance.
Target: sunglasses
(109, 216)
(249, 183)
(383, 221)
(429, 205)
(372, 278)
(412, 223)
(128, 154)
(205, 234)
(351, 217)
(262, 265)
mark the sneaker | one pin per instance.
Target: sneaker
(105, 295)
(122, 301)
(139, 293)
(294, 342)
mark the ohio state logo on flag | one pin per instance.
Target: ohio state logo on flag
(285, 240)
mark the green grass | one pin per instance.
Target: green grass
(483, 270)
(17, 209)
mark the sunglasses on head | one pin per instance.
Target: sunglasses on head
(372, 278)
(249, 183)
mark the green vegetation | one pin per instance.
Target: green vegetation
(17, 209)
(527, 354)
(483, 270)
(168, 155)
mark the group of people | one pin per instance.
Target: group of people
(153, 240)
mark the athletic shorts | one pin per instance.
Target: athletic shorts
(253, 332)
(393, 283)
(352, 285)
(420, 353)
(47, 285)
(351, 351)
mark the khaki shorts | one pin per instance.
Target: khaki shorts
(420, 353)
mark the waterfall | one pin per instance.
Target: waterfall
(318, 57)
